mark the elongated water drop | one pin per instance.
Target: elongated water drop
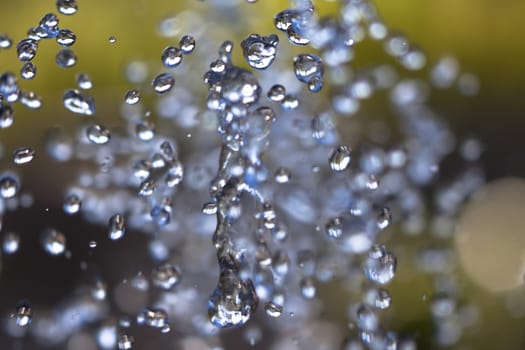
(163, 83)
(308, 69)
(79, 102)
(117, 227)
(31, 100)
(23, 155)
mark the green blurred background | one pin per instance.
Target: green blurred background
(485, 36)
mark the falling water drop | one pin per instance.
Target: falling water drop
(79, 102)
(117, 227)
(23, 155)
(163, 83)
(171, 57)
(67, 7)
(98, 134)
(132, 97)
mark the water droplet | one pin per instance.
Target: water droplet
(187, 44)
(23, 155)
(23, 314)
(112, 39)
(5, 41)
(48, 26)
(380, 267)
(54, 241)
(125, 342)
(276, 93)
(84, 81)
(66, 58)
(308, 288)
(31, 100)
(259, 51)
(8, 186)
(175, 174)
(66, 37)
(72, 204)
(27, 49)
(145, 130)
(156, 318)
(308, 69)
(290, 102)
(132, 97)
(98, 134)
(273, 310)
(340, 158)
(79, 102)
(334, 228)
(117, 227)
(7, 116)
(99, 290)
(28, 71)
(384, 218)
(233, 301)
(11, 243)
(171, 57)
(9, 89)
(166, 276)
(209, 208)
(67, 7)
(378, 298)
(282, 175)
(147, 188)
(366, 318)
(163, 83)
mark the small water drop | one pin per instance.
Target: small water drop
(28, 71)
(99, 290)
(147, 187)
(125, 342)
(11, 243)
(84, 81)
(112, 39)
(54, 241)
(27, 49)
(187, 44)
(132, 97)
(31, 100)
(384, 218)
(380, 267)
(23, 314)
(48, 26)
(273, 310)
(171, 57)
(5, 41)
(340, 158)
(66, 58)
(276, 93)
(156, 318)
(260, 51)
(163, 83)
(79, 102)
(23, 155)
(8, 186)
(334, 228)
(166, 276)
(7, 116)
(308, 288)
(66, 37)
(282, 175)
(98, 134)
(117, 227)
(67, 7)
(308, 69)
(290, 102)
(145, 130)
(72, 204)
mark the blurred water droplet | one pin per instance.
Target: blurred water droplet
(5, 41)
(98, 134)
(11, 243)
(67, 7)
(145, 130)
(166, 276)
(125, 342)
(273, 310)
(340, 158)
(156, 318)
(23, 314)
(187, 44)
(84, 81)
(8, 186)
(117, 227)
(66, 58)
(54, 241)
(72, 204)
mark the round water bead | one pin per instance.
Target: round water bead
(260, 51)
(308, 69)
(5, 41)
(187, 44)
(273, 310)
(84, 81)
(117, 227)
(8, 186)
(276, 93)
(66, 37)
(67, 7)
(54, 241)
(171, 57)
(26, 49)
(31, 100)
(340, 158)
(163, 83)
(23, 155)
(308, 287)
(290, 102)
(112, 39)
(7, 116)
(145, 130)
(132, 97)
(380, 266)
(72, 204)
(66, 58)
(23, 314)
(79, 102)
(11, 243)
(98, 134)
(166, 276)
(282, 175)
(28, 71)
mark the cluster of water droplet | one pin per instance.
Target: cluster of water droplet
(284, 199)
